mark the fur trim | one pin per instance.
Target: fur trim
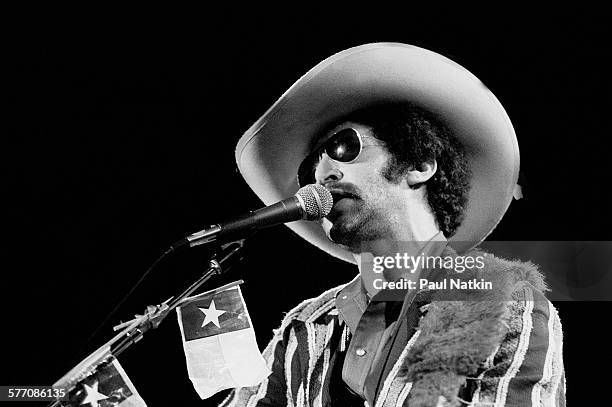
(458, 336)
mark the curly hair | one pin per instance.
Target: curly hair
(414, 136)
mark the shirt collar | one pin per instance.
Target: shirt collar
(353, 299)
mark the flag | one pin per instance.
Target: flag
(108, 386)
(219, 342)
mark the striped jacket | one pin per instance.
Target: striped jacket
(500, 348)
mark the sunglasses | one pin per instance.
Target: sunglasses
(345, 146)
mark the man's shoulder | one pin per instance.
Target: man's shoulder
(510, 276)
(522, 287)
(314, 308)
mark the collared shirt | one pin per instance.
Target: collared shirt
(373, 326)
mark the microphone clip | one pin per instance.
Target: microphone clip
(204, 236)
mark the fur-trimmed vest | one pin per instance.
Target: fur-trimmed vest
(500, 347)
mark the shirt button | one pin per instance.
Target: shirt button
(360, 352)
(344, 297)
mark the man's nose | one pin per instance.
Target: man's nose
(327, 171)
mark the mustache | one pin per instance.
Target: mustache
(341, 190)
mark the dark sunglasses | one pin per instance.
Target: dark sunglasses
(344, 146)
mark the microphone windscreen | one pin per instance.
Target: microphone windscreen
(317, 200)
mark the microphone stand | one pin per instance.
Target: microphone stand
(134, 330)
(224, 258)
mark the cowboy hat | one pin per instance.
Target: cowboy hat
(269, 153)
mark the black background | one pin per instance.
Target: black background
(120, 140)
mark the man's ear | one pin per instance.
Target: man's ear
(414, 177)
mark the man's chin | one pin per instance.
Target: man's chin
(342, 234)
(351, 229)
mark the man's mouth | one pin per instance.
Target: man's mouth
(342, 200)
(339, 194)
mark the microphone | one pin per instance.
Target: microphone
(311, 202)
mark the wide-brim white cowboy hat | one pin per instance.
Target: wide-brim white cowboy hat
(270, 152)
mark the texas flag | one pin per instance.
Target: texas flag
(108, 386)
(219, 342)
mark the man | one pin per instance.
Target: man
(419, 156)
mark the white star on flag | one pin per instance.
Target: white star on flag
(212, 314)
(93, 396)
